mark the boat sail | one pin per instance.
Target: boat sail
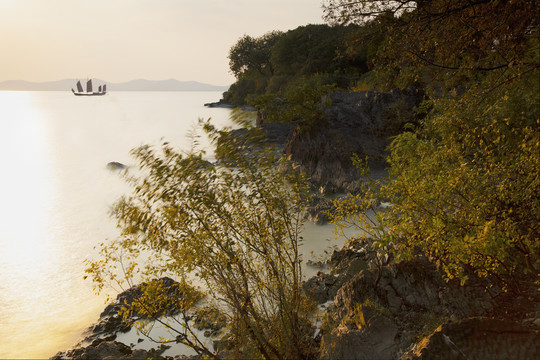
(102, 90)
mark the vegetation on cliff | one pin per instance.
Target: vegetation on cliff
(273, 63)
(463, 189)
(464, 184)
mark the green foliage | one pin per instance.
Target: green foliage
(304, 102)
(248, 83)
(267, 65)
(233, 229)
(313, 49)
(464, 185)
(253, 54)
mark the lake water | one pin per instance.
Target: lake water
(56, 192)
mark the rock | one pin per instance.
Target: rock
(98, 342)
(322, 265)
(104, 350)
(479, 339)
(369, 335)
(278, 134)
(411, 298)
(127, 297)
(416, 285)
(116, 166)
(321, 287)
(210, 319)
(352, 258)
(356, 123)
(220, 104)
(319, 209)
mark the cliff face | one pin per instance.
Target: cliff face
(359, 123)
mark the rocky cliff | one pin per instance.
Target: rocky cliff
(359, 123)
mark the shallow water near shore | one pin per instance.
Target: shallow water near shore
(56, 191)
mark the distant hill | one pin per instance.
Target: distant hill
(135, 85)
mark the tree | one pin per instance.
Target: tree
(448, 37)
(313, 49)
(253, 54)
(464, 188)
(304, 101)
(267, 65)
(234, 228)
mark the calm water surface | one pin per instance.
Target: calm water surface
(55, 194)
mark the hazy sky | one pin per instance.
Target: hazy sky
(121, 40)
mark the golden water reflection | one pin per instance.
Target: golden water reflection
(34, 299)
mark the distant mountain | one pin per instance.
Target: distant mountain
(135, 85)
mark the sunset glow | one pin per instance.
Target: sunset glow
(126, 40)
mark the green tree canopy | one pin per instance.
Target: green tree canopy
(253, 54)
(267, 65)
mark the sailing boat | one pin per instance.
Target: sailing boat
(102, 90)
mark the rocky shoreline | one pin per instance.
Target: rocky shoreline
(379, 309)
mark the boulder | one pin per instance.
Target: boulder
(368, 335)
(479, 339)
(321, 287)
(406, 299)
(114, 165)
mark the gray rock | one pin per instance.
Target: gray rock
(321, 287)
(479, 339)
(370, 336)
(357, 123)
(220, 104)
(114, 165)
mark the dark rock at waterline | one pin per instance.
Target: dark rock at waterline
(110, 350)
(322, 287)
(220, 104)
(127, 298)
(99, 339)
(344, 264)
(319, 209)
(113, 165)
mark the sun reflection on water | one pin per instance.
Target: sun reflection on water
(30, 253)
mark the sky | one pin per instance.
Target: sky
(122, 40)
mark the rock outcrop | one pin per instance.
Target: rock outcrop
(220, 104)
(99, 341)
(382, 308)
(480, 339)
(110, 350)
(356, 123)
(114, 165)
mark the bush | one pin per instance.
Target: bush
(235, 229)
(464, 187)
